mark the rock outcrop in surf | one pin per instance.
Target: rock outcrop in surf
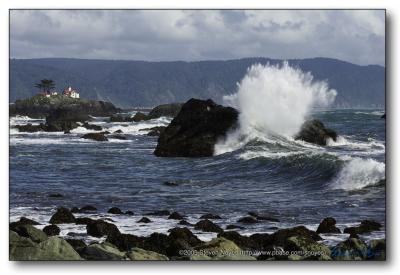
(196, 129)
(314, 131)
(40, 107)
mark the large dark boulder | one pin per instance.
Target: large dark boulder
(99, 228)
(314, 131)
(350, 250)
(51, 230)
(196, 129)
(115, 211)
(366, 226)
(23, 221)
(280, 237)
(328, 226)
(207, 226)
(124, 242)
(244, 242)
(63, 215)
(170, 110)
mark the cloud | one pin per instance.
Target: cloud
(356, 36)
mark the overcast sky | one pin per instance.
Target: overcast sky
(354, 36)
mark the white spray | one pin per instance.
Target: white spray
(273, 100)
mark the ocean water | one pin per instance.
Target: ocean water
(296, 182)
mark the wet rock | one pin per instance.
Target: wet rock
(184, 234)
(129, 213)
(99, 228)
(139, 116)
(207, 226)
(51, 249)
(159, 213)
(51, 230)
(156, 242)
(29, 128)
(115, 210)
(102, 252)
(95, 136)
(138, 254)
(314, 131)
(119, 131)
(181, 239)
(366, 226)
(144, 220)
(280, 237)
(154, 131)
(350, 250)
(77, 244)
(92, 127)
(233, 226)
(63, 215)
(175, 216)
(24, 221)
(29, 231)
(74, 209)
(377, 250)
(196, 129)
(169, 110)
(244, 242)
(328, 226)
(55, 195)
(247, 220)
(222, 249)
(210, 216)
(124, 242)
(306, 249)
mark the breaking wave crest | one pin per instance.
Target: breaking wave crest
(273, 100)
(359, 173)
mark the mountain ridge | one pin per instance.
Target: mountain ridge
(128, 83)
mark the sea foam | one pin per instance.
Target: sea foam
(273, 99)
(359, 173)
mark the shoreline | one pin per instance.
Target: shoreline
(244, 246)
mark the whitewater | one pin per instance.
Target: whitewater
(258, 167)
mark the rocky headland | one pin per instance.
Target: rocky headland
(27, 242)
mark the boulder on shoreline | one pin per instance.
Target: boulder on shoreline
(100, 228)
(328, 226)
(366, 226)
(196, 129)
(207, 226)
(314, 131)
(63, 215)
(350, 250)
(51, 249)
(51, 230)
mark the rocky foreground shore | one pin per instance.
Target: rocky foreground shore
(297, 243)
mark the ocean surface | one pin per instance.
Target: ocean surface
(296, 182)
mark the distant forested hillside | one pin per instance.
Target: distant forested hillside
(139, 83)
